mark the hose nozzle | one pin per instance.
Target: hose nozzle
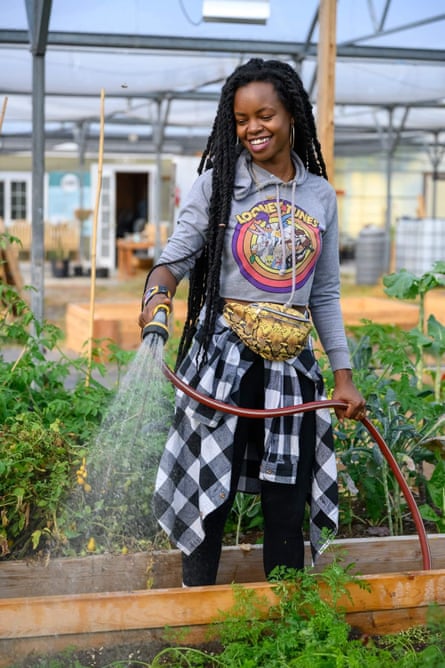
(159, 324)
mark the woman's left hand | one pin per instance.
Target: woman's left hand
(346, 392)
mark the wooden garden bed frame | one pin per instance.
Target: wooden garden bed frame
(114, 599)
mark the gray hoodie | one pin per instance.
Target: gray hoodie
(266, 257)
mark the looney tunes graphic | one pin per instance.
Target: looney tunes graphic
(266, 247)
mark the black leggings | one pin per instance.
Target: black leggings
(283, 505)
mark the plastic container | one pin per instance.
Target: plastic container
(371, 255)
(419, 243)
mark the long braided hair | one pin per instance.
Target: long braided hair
(221, 154)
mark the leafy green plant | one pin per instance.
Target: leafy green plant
(58, 490)
(45, 427)
(306, 627)
(429, 337)
(435, 486)
(389, 370)
(35, 473)
(245, 516)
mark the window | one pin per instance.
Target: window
(18, 200)
(15, 196)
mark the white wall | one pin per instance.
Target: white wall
(186, 174)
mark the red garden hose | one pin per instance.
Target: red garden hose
(312, 406)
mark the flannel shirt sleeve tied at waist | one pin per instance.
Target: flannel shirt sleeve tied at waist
(195, 469)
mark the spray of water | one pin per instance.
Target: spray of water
(115, 512)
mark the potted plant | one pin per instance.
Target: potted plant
(59, 255)
(82, 215)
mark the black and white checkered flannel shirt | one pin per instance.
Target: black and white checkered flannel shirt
(195, 469)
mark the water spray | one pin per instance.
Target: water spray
(159, 323)
(139, 409)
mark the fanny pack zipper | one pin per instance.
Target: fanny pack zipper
(268, 309)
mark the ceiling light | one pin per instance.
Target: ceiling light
(236, 11)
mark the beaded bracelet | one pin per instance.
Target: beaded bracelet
(155, 290)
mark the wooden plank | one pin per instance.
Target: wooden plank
(75, 575)
(384, 622)
(117, 322)
(162, 569)
(379, 310)
(118, 611)
(327, 50)
(14, 649)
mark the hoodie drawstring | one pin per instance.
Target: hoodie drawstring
(283, 240)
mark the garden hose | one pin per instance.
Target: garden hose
(312, 406)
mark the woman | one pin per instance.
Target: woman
(259, 225)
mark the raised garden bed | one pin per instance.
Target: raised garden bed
(104, 599)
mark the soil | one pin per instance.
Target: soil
(128, 656)
(135, 655)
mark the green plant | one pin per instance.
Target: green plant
(427, 337)
(306, 627)
(45, 428)
(246, 515)
(435, 487)
(35, 474)
(385, 373)
(389, 370)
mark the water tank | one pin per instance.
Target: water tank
(370, 255)
(419, 243)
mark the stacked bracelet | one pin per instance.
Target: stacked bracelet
(155, 290)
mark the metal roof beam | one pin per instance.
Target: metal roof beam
(397, 29)
(196, 96)
(165, 43)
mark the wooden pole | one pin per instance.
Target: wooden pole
(327, 53)
(2, 117)
(94, 237)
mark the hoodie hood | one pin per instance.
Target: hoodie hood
(245, 185)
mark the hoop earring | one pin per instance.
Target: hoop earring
(292, 136)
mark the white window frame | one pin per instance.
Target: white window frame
(7, 178)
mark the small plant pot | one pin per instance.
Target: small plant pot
(60, 268)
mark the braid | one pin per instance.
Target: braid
(221, 154)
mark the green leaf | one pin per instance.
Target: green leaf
(436, 331)
(402, 285)
(36, 535)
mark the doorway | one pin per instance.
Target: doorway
(131, 202)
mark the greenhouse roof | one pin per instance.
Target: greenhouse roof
(161, 67)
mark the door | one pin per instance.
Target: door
(125, 206)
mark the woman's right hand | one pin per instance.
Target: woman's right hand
(147, 314)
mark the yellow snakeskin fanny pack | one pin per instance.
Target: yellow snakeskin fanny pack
(273, 331)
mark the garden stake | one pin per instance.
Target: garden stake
(2, 116)
(94, 238)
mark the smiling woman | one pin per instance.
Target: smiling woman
(259, 225)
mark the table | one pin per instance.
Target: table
(125, 250)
